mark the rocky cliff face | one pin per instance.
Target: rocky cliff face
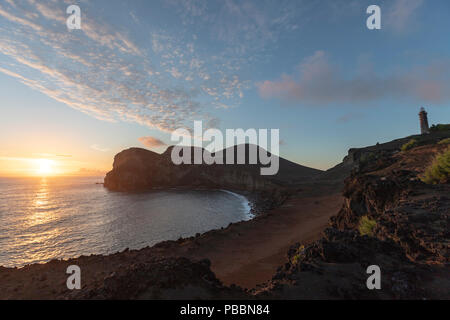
(410, 240)
(413, 214)
(139, 170)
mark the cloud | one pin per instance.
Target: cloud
(51, 155)
(136, 70)
(103, 71)
(151, 142)
(19, 20)
(91, 172)
(96, 147)
(317, 81)
(349, 117)
(243, 28)
(400, 15)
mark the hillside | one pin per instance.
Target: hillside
(359, 156)
(138, 169)
(408, 236)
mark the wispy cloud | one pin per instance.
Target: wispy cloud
(400, 14)
(349, 117)
(102, 71)
(91, 172)
(151, 142)
(317, 81)
(96, 147)
(152, 75)
(245, 25)
(51, 155)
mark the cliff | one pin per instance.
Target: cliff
(408, 236)
(138, 169)
(357, 158)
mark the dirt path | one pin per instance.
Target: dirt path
(251, 252)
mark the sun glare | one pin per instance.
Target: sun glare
(44, 167)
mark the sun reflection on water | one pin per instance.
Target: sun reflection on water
(41, 198)
(39, 229)
(43, 208)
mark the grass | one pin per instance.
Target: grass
(410, 144)
(439, 170)
(444, 141)
(300, 252)
(366, 226)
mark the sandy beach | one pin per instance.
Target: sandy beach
(248, 254)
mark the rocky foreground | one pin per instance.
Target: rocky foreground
(409, 241)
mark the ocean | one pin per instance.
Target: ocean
(64, 217)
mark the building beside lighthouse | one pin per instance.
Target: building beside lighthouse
(423, 116)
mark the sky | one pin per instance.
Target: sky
(138, 69)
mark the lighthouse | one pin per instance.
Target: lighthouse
(423, 116)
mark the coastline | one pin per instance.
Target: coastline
(308, 247)
(245, 253)
(258, 202)
(248, 205)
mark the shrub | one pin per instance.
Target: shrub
(439, 170)
(444, 141)
(367, 157)
(410, 144)
(440, 127)
(366, 226)
(300, 252)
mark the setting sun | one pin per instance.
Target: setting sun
(45, 166)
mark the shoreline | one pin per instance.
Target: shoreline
(245, 202)
(249, 209)
(245, 253)
(253, 198)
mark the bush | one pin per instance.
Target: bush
(366, 226)
(367, 157)
(439, 170)
(440, 127)
(298, 255)
(445, 141)
(410, 144)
